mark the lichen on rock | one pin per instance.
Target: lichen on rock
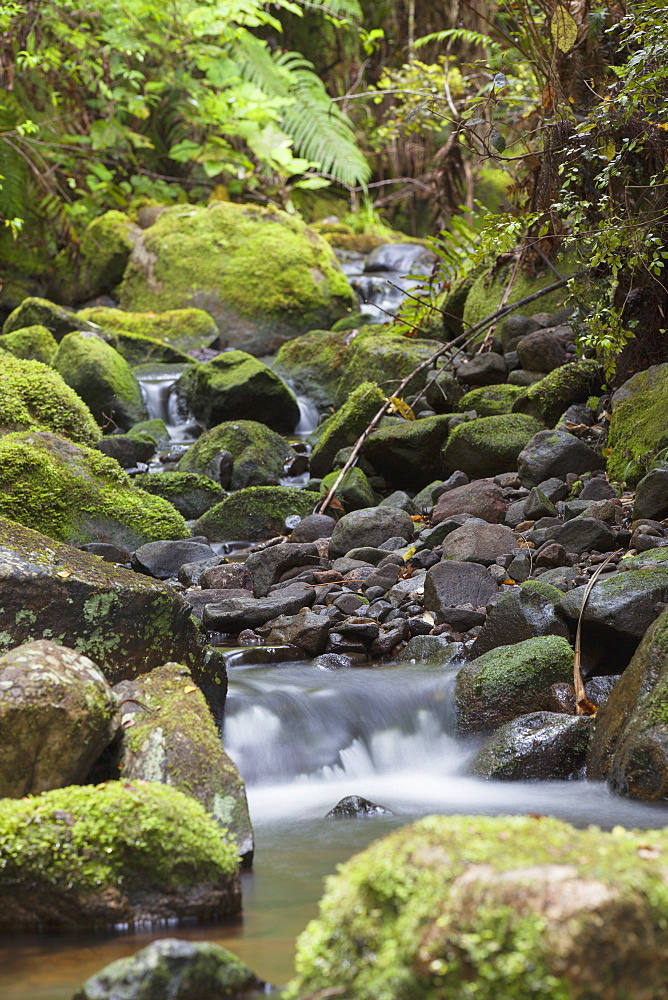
(35, 398)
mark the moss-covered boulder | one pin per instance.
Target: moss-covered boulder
(94, 856)
(102, 257)
(35, 398)
(630, 745)
(541, 745)
(258, 453)
(490, 400)
(487, 292)
(254, 514)
(174, 739)
(639, 425)
(190, 494)
(125, 622)
(35, 311)
(510, 681)
(236, 385)
(408, 452)
(31, 343)
(77, 495)
(154, 430)
(354, 491)
(344, 427)
(488, 446)
(102, 378)
(262, 274)
(522, 613)
(573, 383)
(170, 967)
(182, 329)
(509, 906)
(140, 350)
(57, 715)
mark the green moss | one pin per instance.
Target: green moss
(423, 915)
(139, 350)
(35, 311)
(255, 513)
(257, 271)
(536, 662)
(345, 426)
(34, 397)
(183, 329)
(191, 495)
(490, 400)
(639, 425)
(259, 453)
(354, 491)
(31, 343)
(546, 400)
(103, 254)
(152, 430)
(408, 452)
(386, 357)
(76, 494)
(112, 835)
(352, 322)
(490, 445)
(487, 290)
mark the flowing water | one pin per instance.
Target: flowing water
(383, 279)
(303, 739)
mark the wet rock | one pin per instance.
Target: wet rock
(371, 526)
(583, 534)
(554, 454)
(540, 746)
(652, 495)
(438, 650)
(128, 451)
(483, 499)
(547, 399)
(366, 630)
(163, 560)
(356, 807)
(521, 568)
(238, 613)
(514, 327)
(47, 890)
(57, 715)
(630, 745)
(306, 630)
(239, 453)
(332, 661)
(188, 970)
(255, 514)
(390, 637)
(399, 499)
(221, 577)
(407, 452)
(171, 737)
(267, 566)
(479, 543)
(483, 369)
(638, 428)
(354, 491)
(198, 599)
(598, 489)
(522, 613)
(562, 699)
(450, 584)
(192, 495)
(490, 445)
(462, 619)
(510, 681)
(313, 527)
(107, 551)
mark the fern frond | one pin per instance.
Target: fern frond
(459, 35)
(14, 172)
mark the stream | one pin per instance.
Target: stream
(303, 738)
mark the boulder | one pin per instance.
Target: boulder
(651, 498)
(234, 386)
(630, 745)
(488, 446)
(97, 856)
(513, 905)
(554, 454)
(483, 499)
(483, 369)
(35, 398)
(171, 737)
(77, 495)
(259, 455)
(479, 543)
(126, 623)
(102, 378)
(32, 343)
(583, 534)
(356, 807)
(305, 630)
(235, 614)
(57, 715)
(267, 566)
(126, 449)
(371, 526)
(274, 279)
(180, 970)
(163, 559)
(510, 681)
(450, 584)
(354, 491)
(407, 452)
(489, 400)
(547, 399)
(184, 329)
(638, 425)
(436, 650)
(522, 613)
(544, 350)
(35, 311)
(102, 257)
(344, 427)
(542, 746)
(255, 514)
(191, 495)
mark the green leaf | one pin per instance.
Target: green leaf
(497, 141)
(564, 29)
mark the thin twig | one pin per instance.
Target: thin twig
(580, 693)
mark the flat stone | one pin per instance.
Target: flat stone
(483, 499)
(163, 560)
(479, 543)
(449, 584)
(238, 613)
(584, 534)
(268, 565)
(227, 575)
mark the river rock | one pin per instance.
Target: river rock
(584, 534)
(126, 450)
(190, 494)
(343, 428)
(630, 745)
(163, 560)
(555, 454)
(450, 584)
(35, 311)
(259, 455)
(446, 883)
(483, 369)
(57, 715)
(651, 498)
(33, 397)
(312, 527)
(510, 681)
(235, 614)
(483, 499)
(305, 630)
(353, 491)
(34, 343)
(181, 329)
(134, 839)
(372, 526)
(267, 566)
(126, 623)
(227, 575)
(547, 399)
(356, 807)
(638, 427)
(488, 446)
(235, 385)
(180, 970)
(479, 543)
(540, 746)
(544, 350)
(522, 613)
(171, 737)
(407, 452)
(255, 514)
(489, 400)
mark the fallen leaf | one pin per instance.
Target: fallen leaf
(189, 688)
(64, 573)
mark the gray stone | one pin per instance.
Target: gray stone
(483, 499)
(268, 565)
(621, 607)
(522, 613)
(537, 505)
(128, 451)
(332, 661)
(372, 526)
(514, 327)
(483, 369)
(479, 543)
(584, 534)
(652, 495)
(543, 350)
(449, 584)
(599, 489)
(462, 619)
(437, 650)
(238, 613)
(554, 454)
(541, 746)
(163, 560)
(313, 527)
(226, 575)
(356, 807)
(305, 630)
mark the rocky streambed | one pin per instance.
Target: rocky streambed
(426, 618)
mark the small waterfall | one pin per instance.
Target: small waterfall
(309, 414)
(383, 279)
(157, 384)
